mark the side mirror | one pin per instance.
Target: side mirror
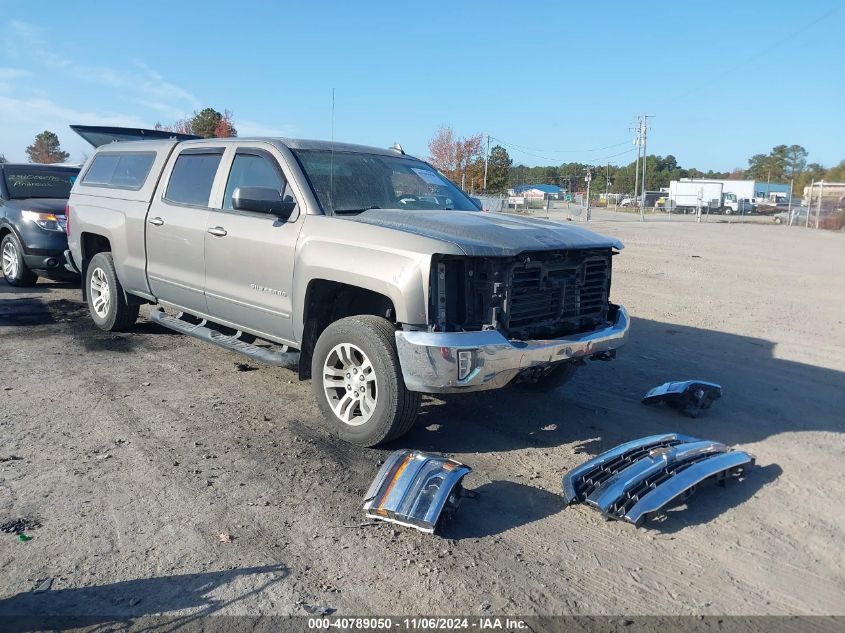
(262, 200)
(477, 202)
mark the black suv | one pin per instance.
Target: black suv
(32, 221)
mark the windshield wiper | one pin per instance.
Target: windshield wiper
(352, 211)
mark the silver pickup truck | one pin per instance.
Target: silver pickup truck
(385, 277)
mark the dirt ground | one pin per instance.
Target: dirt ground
(135, 450)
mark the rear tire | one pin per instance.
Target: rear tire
(358, 384)
(557, 377)
(107, 302)
(15, 270)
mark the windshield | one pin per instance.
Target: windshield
(351, 182)
(32, 182)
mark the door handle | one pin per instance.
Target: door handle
(156, 221)
(219, 231)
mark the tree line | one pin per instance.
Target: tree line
(461, 159)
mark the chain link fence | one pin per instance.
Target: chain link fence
(822, 207)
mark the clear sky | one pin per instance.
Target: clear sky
(725, 80)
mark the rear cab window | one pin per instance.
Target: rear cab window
(193, 176)
(119, 170)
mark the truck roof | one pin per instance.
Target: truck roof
(290, 143)
(105, 137)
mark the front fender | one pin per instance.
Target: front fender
(381, 260)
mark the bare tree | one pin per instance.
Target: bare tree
(461, 159)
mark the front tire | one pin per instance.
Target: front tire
(358, 384)
(15, 270)
(107, 302)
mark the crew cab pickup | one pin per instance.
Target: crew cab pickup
(386, 279)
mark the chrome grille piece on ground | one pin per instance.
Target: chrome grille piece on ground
(635, 480)
(414, 489)
(690, 397)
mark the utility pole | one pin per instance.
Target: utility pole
(588, 178)
(486, 159)
(645, 163)
(809, 205)
(789, 208)
(607, 183)
(768, 182)
(818, 204)
(637, 168)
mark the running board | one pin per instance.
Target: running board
(202, 331)
(632, 482)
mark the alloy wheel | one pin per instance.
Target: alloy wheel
(100, 293)
(10, 260)
(350, 383)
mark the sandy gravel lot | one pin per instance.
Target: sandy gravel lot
(135, 450)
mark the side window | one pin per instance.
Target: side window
(252, 170)
(192, 177)
(122, 170)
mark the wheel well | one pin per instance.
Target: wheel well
(91, 244)
(328, 301)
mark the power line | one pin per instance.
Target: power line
(563, 151)
(598, 159)
(778, 44)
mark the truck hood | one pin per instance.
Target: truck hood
(488, 234)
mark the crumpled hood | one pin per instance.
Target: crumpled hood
(42, 205)
(488, 234)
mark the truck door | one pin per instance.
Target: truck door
(249, 256)
(176, 229)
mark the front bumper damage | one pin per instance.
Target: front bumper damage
(453, 362)
(415, 489)
(635, 480)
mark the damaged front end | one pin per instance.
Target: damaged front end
(635, 480)
(540, 295)
(495, 320)
(416, 489)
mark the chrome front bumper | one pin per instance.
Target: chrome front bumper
(452, 362)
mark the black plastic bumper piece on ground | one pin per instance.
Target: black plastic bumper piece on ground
(208, 334)
(690, 397)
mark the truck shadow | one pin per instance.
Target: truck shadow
(43, 286)
(506, 505)
(763, 396)
(122, 603)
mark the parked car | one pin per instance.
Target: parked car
(385, 292)
(32, 221)
(799, 216)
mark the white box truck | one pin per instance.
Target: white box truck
(737, 195)
(688, 197)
